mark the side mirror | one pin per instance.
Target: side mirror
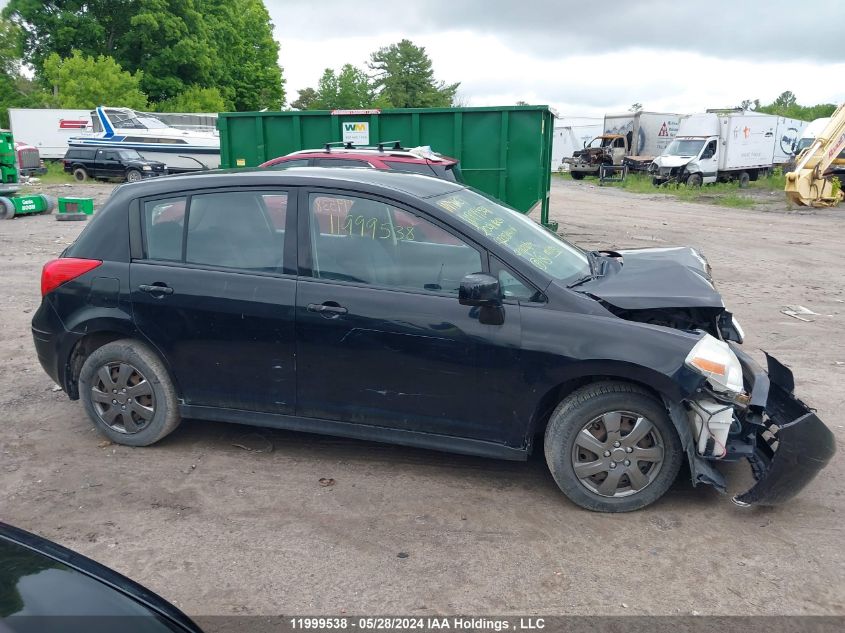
(480, 289)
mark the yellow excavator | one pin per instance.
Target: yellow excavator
(806, 184)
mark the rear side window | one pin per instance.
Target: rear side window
(81, 154)
(340, 162)
(235, 230)
(287, 164)
(164, 221)
(436, 170)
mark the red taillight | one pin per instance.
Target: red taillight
(59, 271)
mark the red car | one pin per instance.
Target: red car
(419, 160)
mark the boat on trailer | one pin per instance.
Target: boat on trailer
(191, 148)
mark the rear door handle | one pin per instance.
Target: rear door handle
(156, 289)
(328, 309)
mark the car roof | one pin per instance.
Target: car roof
(416, 185)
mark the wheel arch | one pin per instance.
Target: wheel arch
(660, 386)
(94, 340)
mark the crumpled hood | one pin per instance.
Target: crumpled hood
(677, 277)
(673, 161)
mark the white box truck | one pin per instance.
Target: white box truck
(718, 146)
(633, 138)
(48, 129)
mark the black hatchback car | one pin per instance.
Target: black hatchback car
(110, 163)
(407, 309)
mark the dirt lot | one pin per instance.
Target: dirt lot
(221, 529)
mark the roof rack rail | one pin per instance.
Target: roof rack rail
(397, 145)
(343, 145)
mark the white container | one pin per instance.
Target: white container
(711, 419)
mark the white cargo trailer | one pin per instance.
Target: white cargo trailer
(48, 129)
(718, 146)
(570, 135)
(789, 132)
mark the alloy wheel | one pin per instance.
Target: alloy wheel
(123, 398)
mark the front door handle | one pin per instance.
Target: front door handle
(155, 289)
(328, 309)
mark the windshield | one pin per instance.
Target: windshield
(600, 141)
(684, 147)
(526, 239)
(803, 144)
(151, 123)
(130, 154)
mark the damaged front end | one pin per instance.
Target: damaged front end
(757, 418)
(791, 444)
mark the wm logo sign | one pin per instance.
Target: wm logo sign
(354, 127)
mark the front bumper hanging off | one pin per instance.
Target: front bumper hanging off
(794, 444)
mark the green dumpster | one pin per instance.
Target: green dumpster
(504, 151)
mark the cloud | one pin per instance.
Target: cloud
(726, 29)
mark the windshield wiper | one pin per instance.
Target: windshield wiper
(582, 280)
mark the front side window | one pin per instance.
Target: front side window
(366, 241)
(518, 234)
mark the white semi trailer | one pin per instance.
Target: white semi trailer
(48, 129)
(719, 146)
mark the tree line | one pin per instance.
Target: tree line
(400, 76)
(786, 104)
(195, 55)
(184, 56)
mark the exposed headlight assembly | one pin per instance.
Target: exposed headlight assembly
(714, 360)
(147, 168)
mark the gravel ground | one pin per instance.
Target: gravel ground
(233, 520)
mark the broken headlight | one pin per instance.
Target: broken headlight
(714, 360)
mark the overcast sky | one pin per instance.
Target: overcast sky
(582, 57)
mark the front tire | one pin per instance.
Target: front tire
(694, 180)
(577, 175)
(128, 394)
(133, 175)
(611, 447)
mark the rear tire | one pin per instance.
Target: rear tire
(128, 394)
(744, 178)
(80, 174)
(640, 475)
(577, 175)
(7, 209)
